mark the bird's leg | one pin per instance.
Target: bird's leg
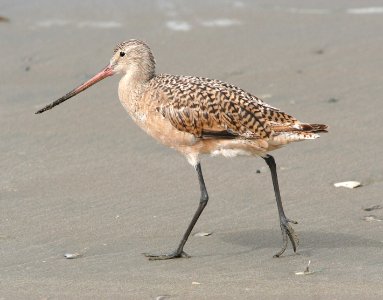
(203, 201)
(287, 230)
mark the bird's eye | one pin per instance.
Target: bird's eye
(122, 53)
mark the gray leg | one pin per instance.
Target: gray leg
(287, 230)
(202, 203)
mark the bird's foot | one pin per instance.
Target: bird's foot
(288, 231)
(175, 254)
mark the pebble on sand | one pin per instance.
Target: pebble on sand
(4, 19)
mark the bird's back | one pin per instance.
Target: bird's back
(210, 109)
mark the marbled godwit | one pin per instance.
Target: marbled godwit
(200, 116)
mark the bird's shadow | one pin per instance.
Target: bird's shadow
(264, 238)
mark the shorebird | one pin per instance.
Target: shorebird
(198, 116)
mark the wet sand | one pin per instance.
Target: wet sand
(83, 178)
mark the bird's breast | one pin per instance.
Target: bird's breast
(145, 115)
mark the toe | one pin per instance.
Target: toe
(167, 256)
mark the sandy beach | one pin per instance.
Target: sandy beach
(83, 178)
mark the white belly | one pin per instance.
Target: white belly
(231, 152)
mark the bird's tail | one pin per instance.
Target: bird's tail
(300, 127)
(314, 127)
(284, 134)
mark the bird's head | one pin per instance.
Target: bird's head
(132, 58)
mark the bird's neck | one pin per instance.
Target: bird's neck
(131, 88)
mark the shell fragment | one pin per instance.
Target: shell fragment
(348, 184)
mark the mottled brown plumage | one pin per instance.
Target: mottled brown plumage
(205, 109)
(197, 105)
(200, 116)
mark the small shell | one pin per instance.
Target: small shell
(196, 283)
(348, 184)
(72, 255)
(162, 297)
(306, 271)
(202, 234)
(372, 218)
